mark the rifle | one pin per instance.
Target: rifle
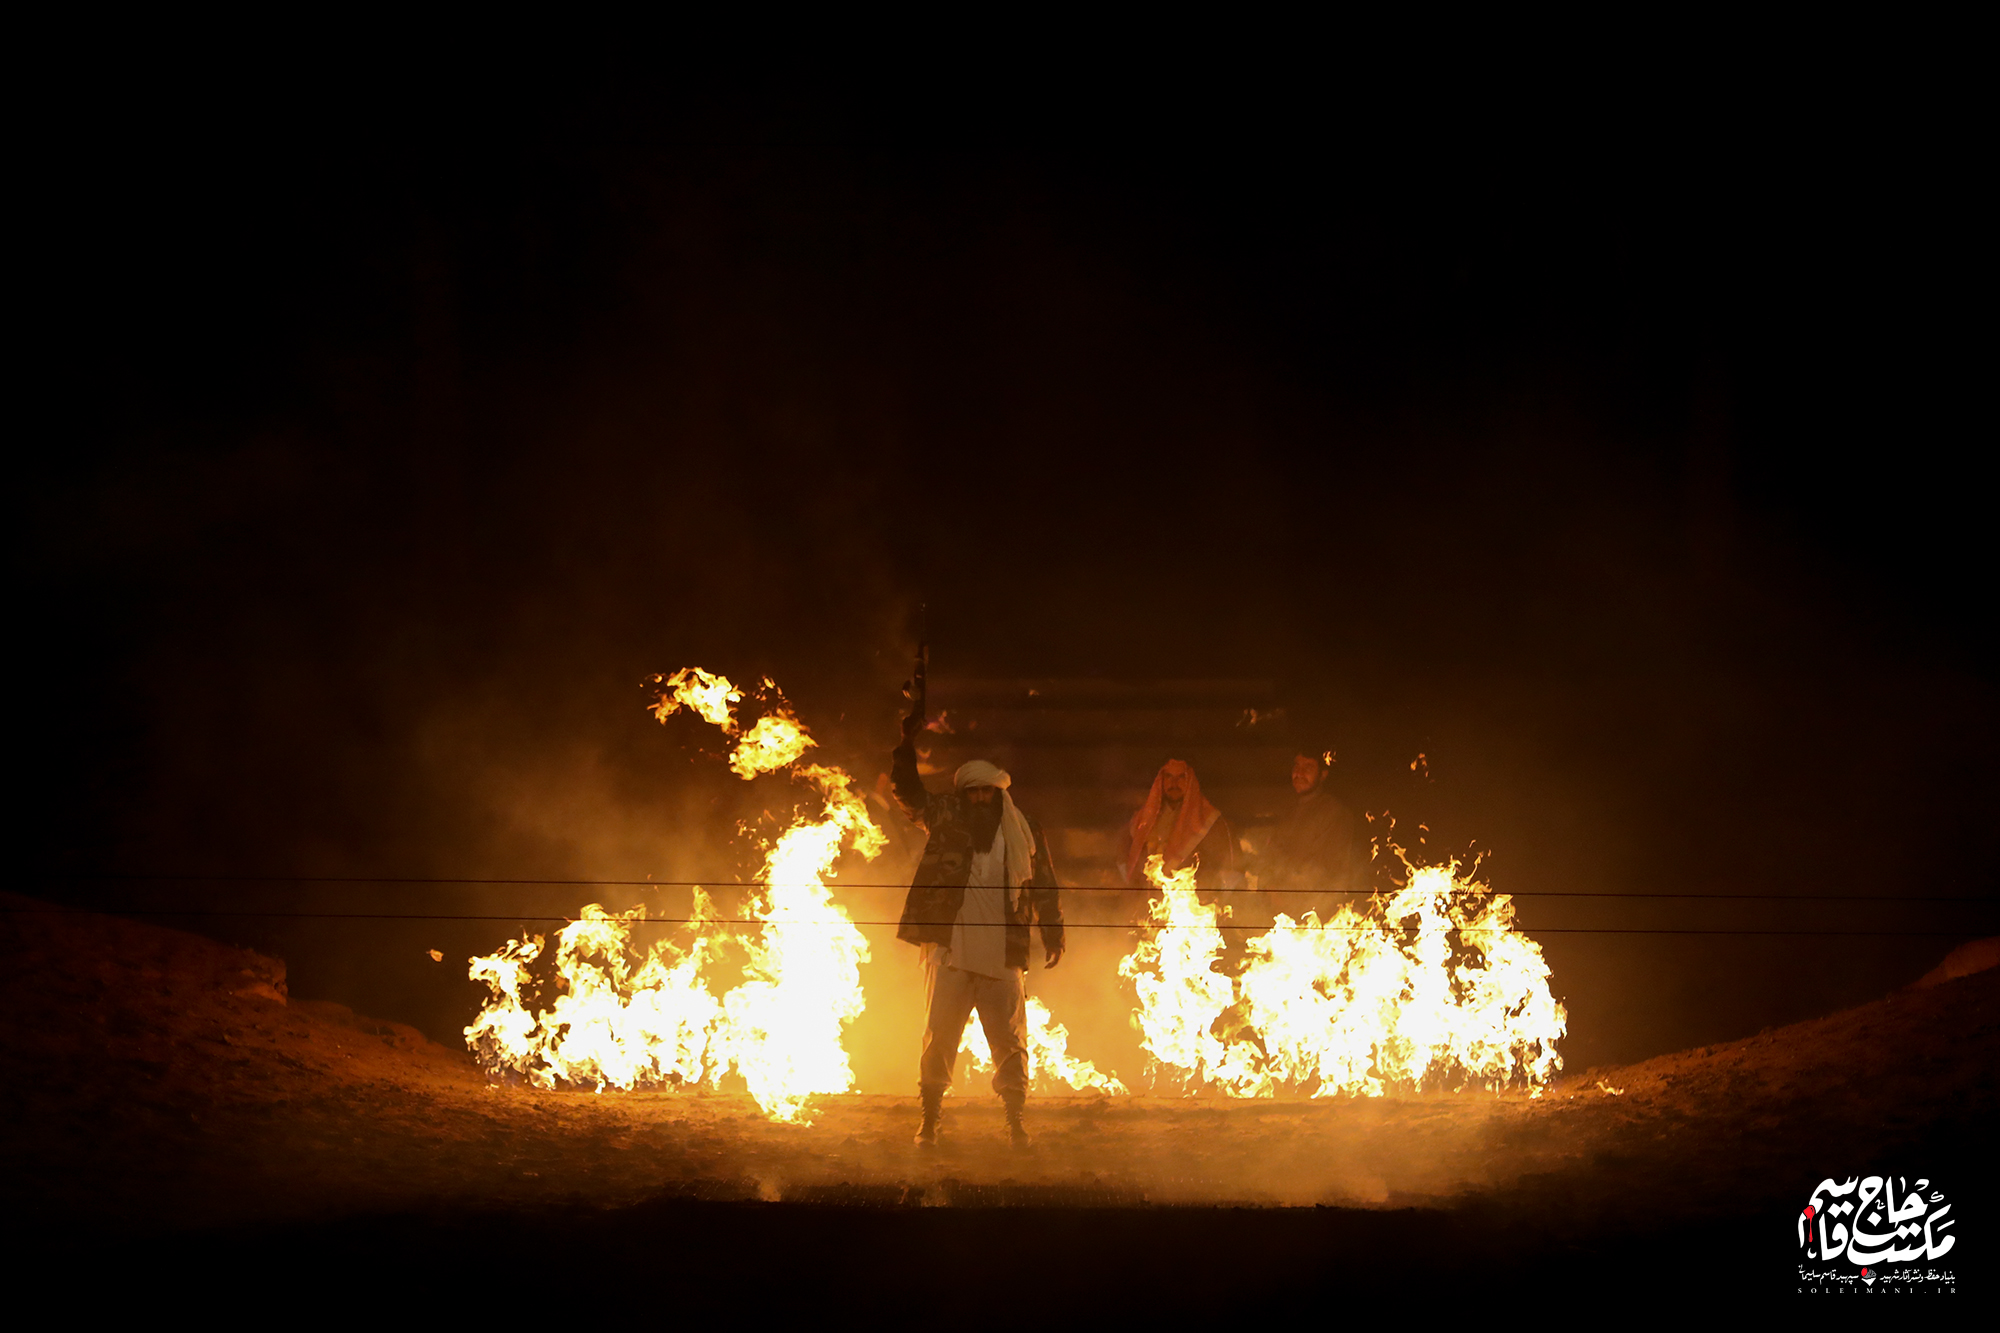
(916, 688)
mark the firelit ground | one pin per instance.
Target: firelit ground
(164, 1098)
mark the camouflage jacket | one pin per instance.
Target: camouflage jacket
(939, 888)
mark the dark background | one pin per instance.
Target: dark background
(1616, 454)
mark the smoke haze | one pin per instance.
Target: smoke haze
(382, 476)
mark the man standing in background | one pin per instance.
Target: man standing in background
(1315, 857)
(1178, 824)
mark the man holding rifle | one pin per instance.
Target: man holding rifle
(986, 874)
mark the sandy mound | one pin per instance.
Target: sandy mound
(1964, 961)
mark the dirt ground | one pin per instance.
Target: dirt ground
(159, 1087)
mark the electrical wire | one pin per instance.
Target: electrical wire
(471, 881)
(834, 923)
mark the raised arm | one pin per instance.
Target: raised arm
(918, 804)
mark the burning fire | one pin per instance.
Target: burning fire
(613, 1025)
(773, 742)
(1049, 1060)
(619, 1024)
(1181, 995)
(1431, 984)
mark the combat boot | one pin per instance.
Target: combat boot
(1017, 1133)
(933, 1115)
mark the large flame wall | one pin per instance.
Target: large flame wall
(1431, 985)
(1428, 986)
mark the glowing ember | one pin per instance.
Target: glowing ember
(1432, 985)
(618, 1025)
(1049, 1060)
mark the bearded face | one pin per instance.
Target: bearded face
(983, 815)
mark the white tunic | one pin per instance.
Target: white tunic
(979, 934)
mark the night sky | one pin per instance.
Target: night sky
(392, 430)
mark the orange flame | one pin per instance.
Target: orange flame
(1432, 984)
(1181, 995)
(1049, 1060)
(618, 1025)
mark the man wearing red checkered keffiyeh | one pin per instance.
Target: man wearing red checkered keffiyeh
(1178, 824)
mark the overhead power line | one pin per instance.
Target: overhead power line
(472, 881)
(833, 923)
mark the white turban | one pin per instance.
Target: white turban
(1013, 824)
